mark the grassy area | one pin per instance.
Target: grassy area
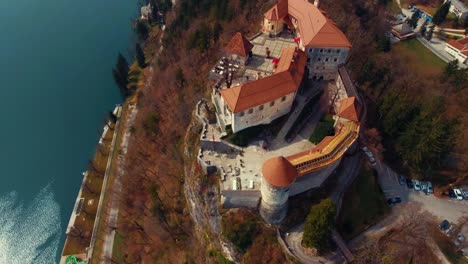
(118, 244)
(431, 10)
(101, 229)
(76, 242)
(363, 205)
(419, 57)
(323, 129)
(243, 137)
(218, 257)
(393, 7)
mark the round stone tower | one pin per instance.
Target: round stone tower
(278, 174)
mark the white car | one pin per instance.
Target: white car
(458, 194)
(417, 185)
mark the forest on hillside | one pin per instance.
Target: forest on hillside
(418, 118)
(419, 114)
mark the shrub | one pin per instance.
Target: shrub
(240, 234)
(319, 224)
(323, 129)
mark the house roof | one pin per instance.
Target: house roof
(315, 28)
(278, 11)
(285, 80)
(349, 109)
(239, 45)
(279, 172)
(348, 84)
(461, 45)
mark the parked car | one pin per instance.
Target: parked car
(458, 194)
(417, 185)
(409, 183)
(444, 225)
(401, 180)
(429, 188)
(394, 200)
(423, 186)
(451, 193)
(465, 194)
(369, 155)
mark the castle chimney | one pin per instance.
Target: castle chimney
(316, 3)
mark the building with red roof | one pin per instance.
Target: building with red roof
(239, 48)
(458, 49)
(265, 99)
(326, 45)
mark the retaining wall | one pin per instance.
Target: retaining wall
(236, 199)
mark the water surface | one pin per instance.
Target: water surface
(56, 87)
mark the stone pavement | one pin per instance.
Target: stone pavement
(275, 44)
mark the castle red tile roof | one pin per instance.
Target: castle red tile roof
(285, 80)
(349, 109)
(278, 11)
(239, 45)
(279, 172)
(315, 28)
(461, 45)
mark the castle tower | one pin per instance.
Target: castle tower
(277, 175)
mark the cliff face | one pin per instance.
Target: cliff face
(202, 198)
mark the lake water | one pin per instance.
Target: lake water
(56, 87)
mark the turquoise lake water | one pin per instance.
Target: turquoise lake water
(56, 87)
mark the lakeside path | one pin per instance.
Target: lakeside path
(115, 190)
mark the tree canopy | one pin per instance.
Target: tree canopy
(318, 225)
(441, 13)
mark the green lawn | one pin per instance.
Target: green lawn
(363, 205)
(419, 57)
(324, 128)
(117, 248)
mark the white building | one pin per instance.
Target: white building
(458, 8)
(458, 49)
(325, 44)
(265, 99)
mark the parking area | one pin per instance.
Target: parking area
(443, 208)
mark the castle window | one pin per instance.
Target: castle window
(335, 59)
(241, 113)
(260, 108)
(272, 27)
(308, 60)
(250, 110)
(283, 99)
(321, 50)
(319, 59)
(329, 50)
(272, 103)
(337, 51)
(326, 59)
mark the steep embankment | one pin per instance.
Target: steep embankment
(202, 198)
(168, 214)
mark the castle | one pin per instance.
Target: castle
(262, 79)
